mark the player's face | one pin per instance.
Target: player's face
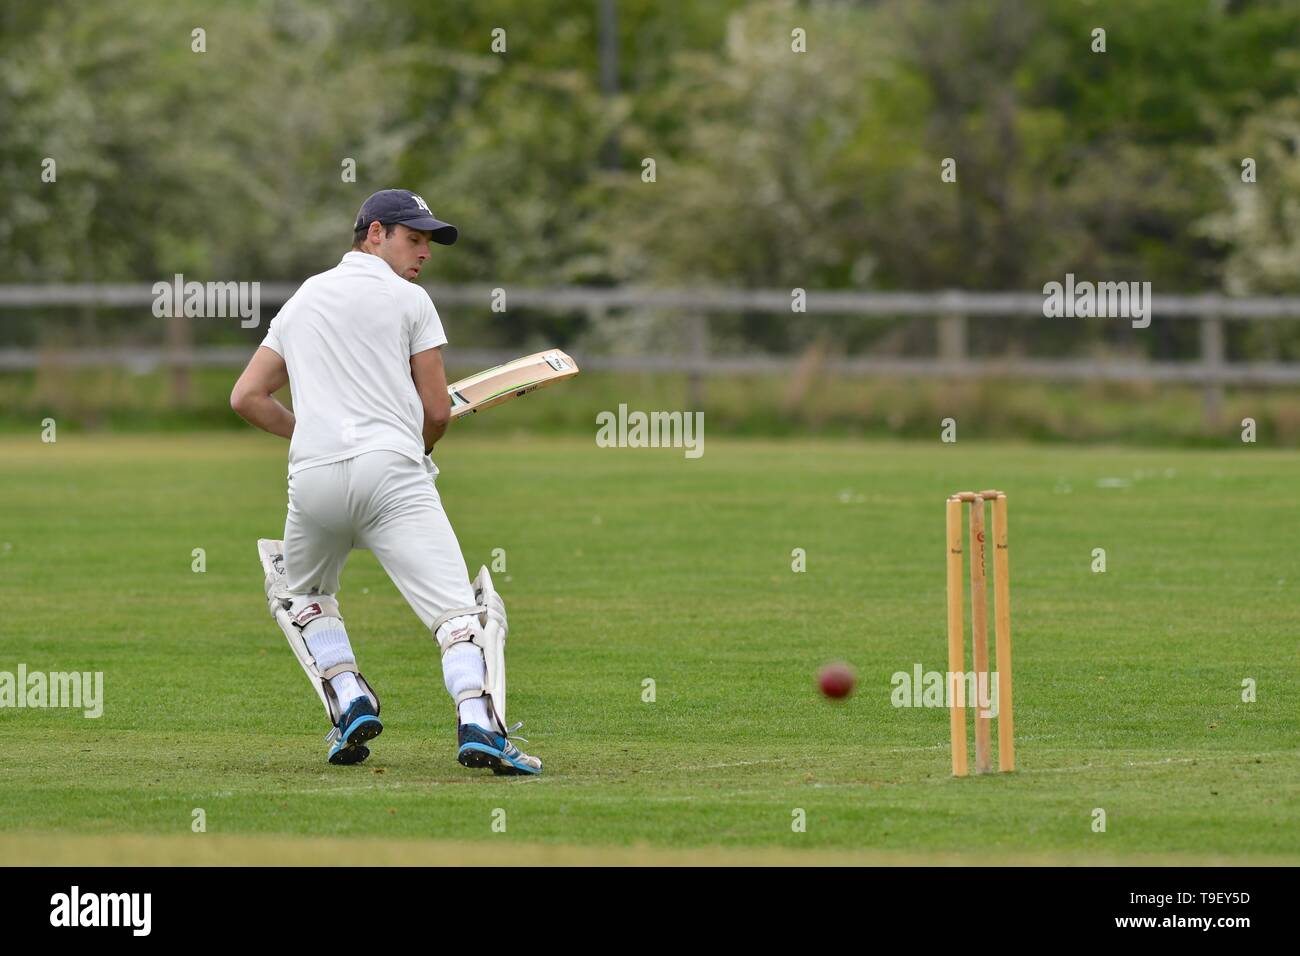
(405, 251)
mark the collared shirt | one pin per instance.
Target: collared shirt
(347, 337)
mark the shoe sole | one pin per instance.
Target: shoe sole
(476, 756)
(350, 755)
(355, 751)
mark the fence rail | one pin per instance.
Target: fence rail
(951, 310)
(1237, 373)
(702, 299)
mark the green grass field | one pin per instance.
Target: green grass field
(631, 564)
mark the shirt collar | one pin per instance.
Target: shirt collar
(366, 261)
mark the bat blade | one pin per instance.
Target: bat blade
(500, 384)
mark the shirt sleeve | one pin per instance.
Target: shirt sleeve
(426, 331)
(272, 340)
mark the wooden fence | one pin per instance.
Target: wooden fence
(952, 311)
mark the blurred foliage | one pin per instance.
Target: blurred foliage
(774, 168)
(222, 164)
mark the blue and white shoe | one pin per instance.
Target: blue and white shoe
(486, 748)
(358, 724)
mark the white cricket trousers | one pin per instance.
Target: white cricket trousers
(385, 503)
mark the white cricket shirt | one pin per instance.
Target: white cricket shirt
(347, 336)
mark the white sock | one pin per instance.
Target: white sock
(463, 669)
(474, 711)
(329, 645)
(346, 688)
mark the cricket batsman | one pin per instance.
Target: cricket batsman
(360, 347)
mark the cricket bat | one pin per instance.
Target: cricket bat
(508, 381)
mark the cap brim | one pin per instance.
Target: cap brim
(444, 233)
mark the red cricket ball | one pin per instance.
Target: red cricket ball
(836, 680)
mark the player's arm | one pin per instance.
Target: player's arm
(253, 396)
(431, 383)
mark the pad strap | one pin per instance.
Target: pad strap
(466, 635)
(457, 612)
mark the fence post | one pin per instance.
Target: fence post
(697, 332)
(952, 339)
(1212, 362)
(179, 340)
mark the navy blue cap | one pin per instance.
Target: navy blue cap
(390, 206)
